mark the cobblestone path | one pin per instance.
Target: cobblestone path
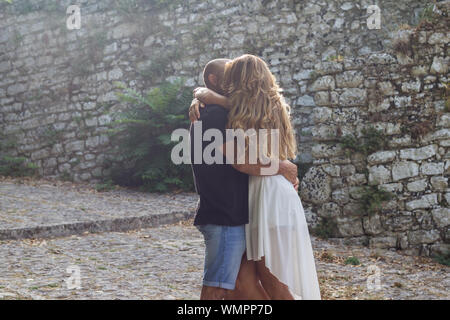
(166, 262)
(47, 208)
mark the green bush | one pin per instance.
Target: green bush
(143, 136)
(13, 166)
(370, 141)
(427, 14)
(107, 185)
(326, 228)
(16, 167)
(443, 259)
(372, 199)
(353, 261)
(65, 176)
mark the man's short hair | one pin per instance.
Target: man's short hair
(215, 67)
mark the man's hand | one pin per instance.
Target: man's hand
(194, 109)
(289, 171)
(297, 183)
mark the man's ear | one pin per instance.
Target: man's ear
(212, 79)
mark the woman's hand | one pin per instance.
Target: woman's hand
(205, 95)
(297, 183)
(194, 110)
(288, 170)
(208, 96)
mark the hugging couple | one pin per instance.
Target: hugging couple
(256, 236)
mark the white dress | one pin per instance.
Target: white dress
(277, 230)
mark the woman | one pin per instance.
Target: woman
(277, 233)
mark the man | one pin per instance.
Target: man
(223, 208)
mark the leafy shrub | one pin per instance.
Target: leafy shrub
(353, 261)
(50, 135)
(370, 141)
(7, 143)
(427, 14)
(105, 186)
(65, 176)
(372, 199)
(13, 166)
(16, 167)
(325, 229)
(443, 259)
(143, 136)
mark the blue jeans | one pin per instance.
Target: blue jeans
(224, 248)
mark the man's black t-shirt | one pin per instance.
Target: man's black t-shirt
(223, 190)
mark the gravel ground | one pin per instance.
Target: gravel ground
(29, 203)
(159, 263)
(166, 262)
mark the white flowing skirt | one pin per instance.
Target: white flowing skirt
(277, 230)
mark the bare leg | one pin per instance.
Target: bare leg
(274, 288)
(248, 286)
(212, 293)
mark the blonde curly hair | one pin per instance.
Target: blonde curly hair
(256, 102)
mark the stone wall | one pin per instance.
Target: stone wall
(400, 93)
(57, 95)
